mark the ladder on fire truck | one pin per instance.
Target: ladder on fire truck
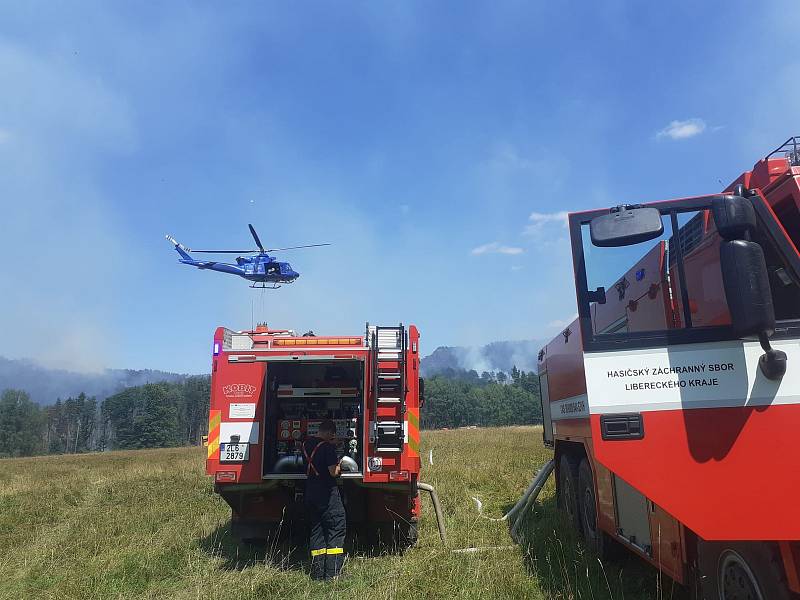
(388, 387)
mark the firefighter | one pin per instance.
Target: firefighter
(323, 502)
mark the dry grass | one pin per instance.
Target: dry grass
(146, 524)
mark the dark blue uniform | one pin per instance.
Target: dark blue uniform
(325, 510)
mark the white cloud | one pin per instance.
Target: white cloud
(4, 136)
(516, 268)
(496, 248)
(404, 209)
(681, 130)
(538, 220)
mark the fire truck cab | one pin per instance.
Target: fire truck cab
(672, 401)
(271, 389)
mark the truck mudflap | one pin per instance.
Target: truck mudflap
(680, 423)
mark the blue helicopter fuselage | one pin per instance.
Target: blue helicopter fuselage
(258, 269)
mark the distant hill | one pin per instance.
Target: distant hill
(46, 385)
(496, 356)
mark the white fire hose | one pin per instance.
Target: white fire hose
(518, 511)
(515, 515)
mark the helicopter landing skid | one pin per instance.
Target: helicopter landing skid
(264, 286)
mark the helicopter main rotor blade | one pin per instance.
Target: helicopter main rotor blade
(227, 251)
(255, 237)
(295, 247)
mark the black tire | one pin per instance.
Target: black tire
(594, 537)
(568, 491)
(741, 570)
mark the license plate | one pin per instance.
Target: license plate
(234, 452)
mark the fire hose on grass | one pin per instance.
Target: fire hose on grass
(437, 508)
(523, 505)
(515, 515)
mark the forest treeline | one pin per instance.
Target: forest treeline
(458, 398)
(158, 415)
(154, 415)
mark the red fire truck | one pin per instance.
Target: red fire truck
(271, 388)
(673, 400)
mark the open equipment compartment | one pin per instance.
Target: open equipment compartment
(299, 396)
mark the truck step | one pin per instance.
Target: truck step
(388, 436)
(388, 449)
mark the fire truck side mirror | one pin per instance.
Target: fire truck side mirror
(625, 226)
(747, 290)
(421, 392)
(734, 216)
(746, 281)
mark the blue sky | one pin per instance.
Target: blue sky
(436, 145)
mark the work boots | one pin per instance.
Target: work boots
(334, 564)
(318, 567)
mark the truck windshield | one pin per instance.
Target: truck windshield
(644, 283)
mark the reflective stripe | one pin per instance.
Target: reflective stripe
(335, 550)
(413, 418)
(214, 419)
(412, 433)
(320, 551)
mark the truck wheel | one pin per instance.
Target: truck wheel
(746, 570)
(594, 537)
(568, 491)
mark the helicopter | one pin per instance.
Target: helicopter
(263, 270)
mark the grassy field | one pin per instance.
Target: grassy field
(146, 524)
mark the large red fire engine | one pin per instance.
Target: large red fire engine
(673, 400)
(272, 388)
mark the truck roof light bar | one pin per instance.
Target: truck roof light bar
(319, 341)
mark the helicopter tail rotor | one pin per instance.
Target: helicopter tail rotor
(180, 248)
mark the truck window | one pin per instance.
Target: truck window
(782, 280)
(699, 248)
(644, 282)
(645, 294)
(639, 293)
